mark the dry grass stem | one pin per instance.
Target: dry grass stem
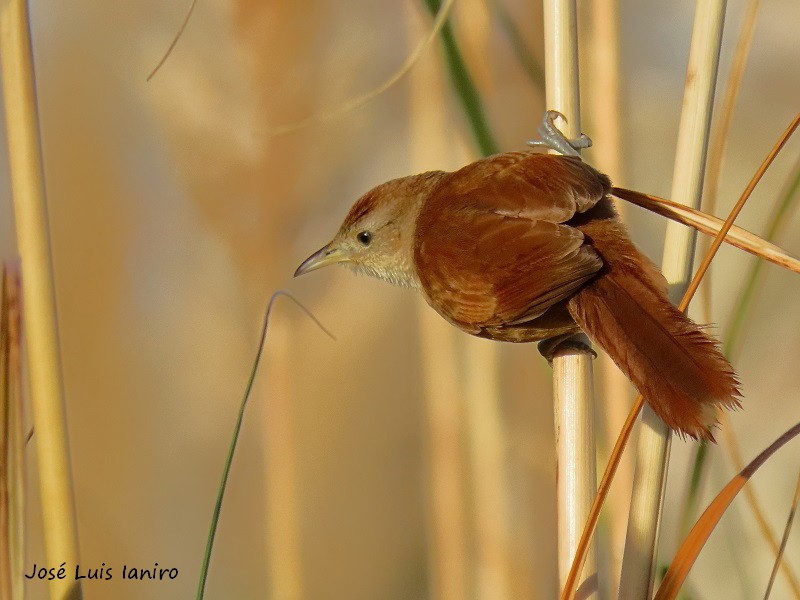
(683, 305)
(717, 242)
(733, 341)
(638, 570)
(735, 455)
(33, 242)
(486, 429)
(786, 531)
(447, 537)
(691, 289)
(711, 225)
(721, 134)
(604, 115)
(786, 205)
(12, 442)
(572, 370)
(6, 572)
(487, 438)
(358, 102)
(694, 542)
(284, 534)
(440, 354)
(174, 42)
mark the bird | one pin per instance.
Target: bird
(527, 247)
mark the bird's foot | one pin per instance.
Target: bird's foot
(565, 342)
(552, 138)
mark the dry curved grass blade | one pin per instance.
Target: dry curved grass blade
(717, 149)
(719, 141)
(174, 40)
(737, 208)
(568, 593)
(694, 542)
(731, 347)
(735, 455)
(226, 470)
(711, 225)
(785, 207)
(786, 531)
(358, 102)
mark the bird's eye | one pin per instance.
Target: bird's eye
(365, 237)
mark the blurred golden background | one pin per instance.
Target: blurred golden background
(404, 460)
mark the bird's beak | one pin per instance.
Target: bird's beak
(327, 255)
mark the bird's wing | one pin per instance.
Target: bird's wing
(541, 187)
(491, 246)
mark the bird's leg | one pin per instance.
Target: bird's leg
(550, 346)
(553, 139)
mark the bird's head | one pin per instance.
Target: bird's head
(377, 235)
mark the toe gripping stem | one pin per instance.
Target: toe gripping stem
(552, 138)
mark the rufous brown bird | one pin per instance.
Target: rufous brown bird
(523, 247)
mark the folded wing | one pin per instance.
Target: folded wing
(506, 216)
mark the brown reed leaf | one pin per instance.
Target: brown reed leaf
(690, 549)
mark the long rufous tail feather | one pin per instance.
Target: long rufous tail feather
(674, 364)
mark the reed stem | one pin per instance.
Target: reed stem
(639, 559)
(440, 356)
(41, 330)
(572, 368)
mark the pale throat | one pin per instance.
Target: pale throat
(393, 260)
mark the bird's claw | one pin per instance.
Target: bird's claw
(560, 343)
(552, 138)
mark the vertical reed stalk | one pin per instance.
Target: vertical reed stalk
(716, 155)
(283, 522)
(447, 556)
(572, 369)
(638, 570)
(12, 442)
(781, 215)
(485, 425)
(784, 539)
(605, 123)
(6, 573)
(489, 484)
(27, 181)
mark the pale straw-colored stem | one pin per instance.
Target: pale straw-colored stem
(486, 427)
(604, 115)
(439, 352)
(12, 442)
(447, 545)
(572, 369)
(721, 132)
(784, 539)
(6, 574)
(44, 367)
(487, 445)
(284, 549)
(639, 559)
(16, 435)
(711, 225)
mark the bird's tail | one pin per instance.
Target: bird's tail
(673, 363)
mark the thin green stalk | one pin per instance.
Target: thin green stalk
(465, 87)
(201, 588)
